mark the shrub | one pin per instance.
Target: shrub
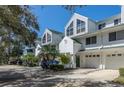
(30, 60)
(57, 67)
(65, 59)
(119, 80)
(121, 71)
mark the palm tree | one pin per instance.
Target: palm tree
(49, 51)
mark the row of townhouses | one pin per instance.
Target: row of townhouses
(91, 44)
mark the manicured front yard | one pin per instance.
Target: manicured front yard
(120, 79)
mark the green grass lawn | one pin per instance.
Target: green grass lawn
(119, 80)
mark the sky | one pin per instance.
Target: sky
(56, 17)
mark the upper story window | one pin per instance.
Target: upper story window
(117, 21)
(100, 26)
(48, 37)
(113, 36)
(69, 30)
(44, 38)
(80, 26)
(91, 40)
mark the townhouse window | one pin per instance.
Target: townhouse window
(91, 40)
(119, 35)
(119, 54)
(80, 26)
(113, 54)
(98, 55)
(69, 30)
(112, 36)
(86, 56)
(94, 55)
(48, 37)
(44, 38)
(117, 21)
(101, 26)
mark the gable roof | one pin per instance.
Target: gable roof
(56, 32)
(76, 41)
(108, 18)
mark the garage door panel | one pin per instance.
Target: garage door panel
(114, 62)
(92, 62)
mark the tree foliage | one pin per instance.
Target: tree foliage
(49, 50)
(17, 26)
(65, 59)
(72, 8)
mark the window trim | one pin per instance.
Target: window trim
(118, 21)
(110, 40)
(116, 36)
(101, 26)
(50, 37)
(69, 28)
(91, 42)
(44, 38)
(80, 26)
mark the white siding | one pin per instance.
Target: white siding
(91, 26)
(46, 31)
(77, 47)
(93, 46)
(74, 19)
(110, 21)
(66, 45)
(106, 42)
(55, 38)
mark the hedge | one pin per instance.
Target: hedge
(57, 67)
(121, 71)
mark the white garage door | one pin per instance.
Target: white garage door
(92, 61)
(114, 61)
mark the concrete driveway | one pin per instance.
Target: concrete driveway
(34, 77)
(92, 74)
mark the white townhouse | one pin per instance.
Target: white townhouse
(101, 43)
(51, 37)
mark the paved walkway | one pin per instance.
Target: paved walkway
(18, 76)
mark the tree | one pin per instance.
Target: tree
(49, 50)
(17, 24)
(72, 8)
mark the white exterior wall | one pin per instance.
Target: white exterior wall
(110, 21)
(55, 38)
(77, 46)
(106, 42)
(91, 26)
(66, 47)
(93, 46)
(122, 14)
(74, 19)
(47, 31)
(102, 40)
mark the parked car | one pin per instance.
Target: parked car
(53, 62)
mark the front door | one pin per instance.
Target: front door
(77, 61)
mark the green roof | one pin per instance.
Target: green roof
(57, 32)
(77, 41)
